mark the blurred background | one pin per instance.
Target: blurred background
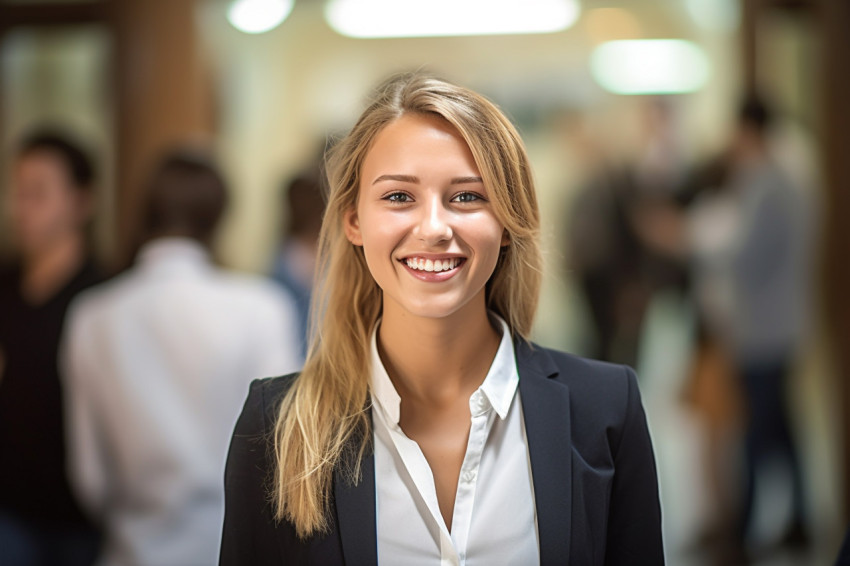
(634, 116)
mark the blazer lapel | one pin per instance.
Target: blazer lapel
(356, 515)
(546, 411)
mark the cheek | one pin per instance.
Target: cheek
(381, 232)
(48, 212)
(484, 232)
(380, 236)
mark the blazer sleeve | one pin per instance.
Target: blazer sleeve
(248, 535)
(634, 521)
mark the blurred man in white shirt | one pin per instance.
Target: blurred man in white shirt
(158, 361)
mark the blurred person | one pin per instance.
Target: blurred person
(295, 263)
(50, 202)
(603, 257)
(763, 262)
(425, 428)
(624, 235)
(157, 362)
(771, 269)
(712, 389)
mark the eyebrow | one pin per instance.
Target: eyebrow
(415, 180)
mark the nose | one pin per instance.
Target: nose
(434, 224)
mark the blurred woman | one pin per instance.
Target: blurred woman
(425, 428)
(50, 201)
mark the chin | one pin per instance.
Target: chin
(434, 307)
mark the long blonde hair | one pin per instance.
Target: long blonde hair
(323, 425)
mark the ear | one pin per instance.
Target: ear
(506, 238)
(351, 225)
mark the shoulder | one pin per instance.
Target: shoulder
(579, 369)
(248, 283)
(259, 412)
(100, 297)
(614, 482)
(251, 444)
(254, 290)
(604, 397)
(250, 533)
(602, 384)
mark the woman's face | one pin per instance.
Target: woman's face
(423, 217)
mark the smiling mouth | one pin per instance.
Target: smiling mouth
(433, 265)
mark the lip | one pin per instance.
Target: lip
(433, 276)
(432, 256)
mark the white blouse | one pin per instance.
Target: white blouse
(494, 520)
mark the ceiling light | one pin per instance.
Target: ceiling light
(258, 16)
(433, 18)
(650, 66)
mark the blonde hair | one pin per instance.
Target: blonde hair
(323, 425)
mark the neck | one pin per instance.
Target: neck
(46, 271)
(435, 360)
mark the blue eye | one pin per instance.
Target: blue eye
(398, 197)
(467, 197)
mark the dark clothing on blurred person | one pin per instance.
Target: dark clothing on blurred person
(769, 431)
(31, 543)
(293, 270)
(844, 553)
(37, 508)
(618, 270)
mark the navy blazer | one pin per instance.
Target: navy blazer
(593, 469)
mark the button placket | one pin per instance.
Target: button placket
(481, 413)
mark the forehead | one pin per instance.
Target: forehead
(416, 140)
(43, 160)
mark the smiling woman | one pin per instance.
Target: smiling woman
(424, 427)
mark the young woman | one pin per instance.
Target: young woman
(425, 428)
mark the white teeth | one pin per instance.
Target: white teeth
(432, 265)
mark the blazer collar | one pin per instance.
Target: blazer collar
(546, 411)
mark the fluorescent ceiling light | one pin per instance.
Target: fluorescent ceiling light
(433, 18)
(650, 66)
(258, 16)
